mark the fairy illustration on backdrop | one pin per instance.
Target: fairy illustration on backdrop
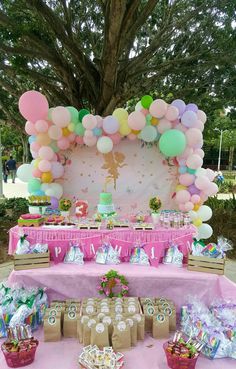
(113, 161)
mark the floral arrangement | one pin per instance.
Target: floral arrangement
(39, 200)
(109, 281)
(155, 204)
(65, 204)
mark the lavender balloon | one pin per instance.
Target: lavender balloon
(180, 105)
(193, 190)
(110, 125)
(192, 107)
(54, 203)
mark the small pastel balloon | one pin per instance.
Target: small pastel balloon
(146, 101)
(192, 107)
(187, 152)
(172, 113)
(79, 140)
(45, 166)
(154, 121)
(82, 114)
(116, 137)
(54, 147)
(204, 231)
(204, 197)
(110, 125)
(61, 116)
(47, 177)
(136, 120)
(180, 187)
(202, 183)
(188, 206)
(181, 128)
(120, 114)
(182, 196)
(99, 121)
(43, 139)
(31, 139)
(30, 128)
(65, 132)
(200, 172)
(164, 125)
(194, 161)
(210, 173)
(63, 143)
(90, 141)
(193, 215)
(191, 171)
(199, 125)
(124, 129)
(199, 145)
(182, 207)
(57, 170)
(197, 222)
(88, 133)
(54, 132)
(189, 118)
(79, 129)
(46, 152)
(104, 145)
(158, 108)
(180, 105)
(195, 199)
(34, 154)
(138, 106)
(193, 136)
(132, 137)
(89, 121)
(205, 213)
(97, 131)
(186, 179)
(182, 169)
(41, 126)
(181, 161)
(199, 152)
(193, 190)
(71, 137)
(34, 185)
(148, 134)
(144, 112)
(211, 190)
(33, 106)
(54, 203)
(202, 116)
(74, 114)
(71, 127)
(196, 207)
(34, 146)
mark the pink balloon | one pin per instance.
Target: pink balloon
(182, 207)
(199, 152)
(90, 141)
(210, 173)
(63, 143)
(110, 125)
(30, 128)
(71, 137)
(37, 173)
(172, 113)
(79, 140)
(194, 161)
(41, 126)
(132, 137)
(202, 182)
(88, 133)
(89, 121)
(188, 206)
(45, 165)
(136, 120)
(164, 125)
(35, 154)
(182, 196)
(199, 145)
(187, 152)
(203, 196)
(186, 179)
(54, 157)
(181, 128)
(99, 121)
(199, 125)
(57, 170)
(144, 111)
(181, 161)
(158, 108)
(189, 118)
(193, 136)
(115, 138)
(211, 190)
(55, 133)
(202, 116)
(61, 116)
(34, 146)
(195, 199)
(45, 152)
(33, 106)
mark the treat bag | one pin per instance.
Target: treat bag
(70, 324)
(74, 256)
(170, 312)
(89, 310)
(149, 312)
(131, 309)
(80, 323)
(23, 246)
(101, 254)
(107, 320)
(177, 257)
(139, 256)
(133, 330)
(99, 335)
(121, 337)
(87, 331)
(140, 326)
(113, 256)
(60, 307)
(52, 327)
(160, 328)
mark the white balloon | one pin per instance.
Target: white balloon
(204, 231)
(204, 213)
(193, 214)
(104, 144)
(54, 189)
(24, 172)
(210, 174)
(45, 186)
(138, 106)
(200, 172)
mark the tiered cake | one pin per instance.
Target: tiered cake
(105, 206)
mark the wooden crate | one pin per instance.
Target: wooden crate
(206, 264)
(31, 261)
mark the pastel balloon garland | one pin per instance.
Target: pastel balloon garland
(176, 128)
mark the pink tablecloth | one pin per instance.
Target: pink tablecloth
(147, 355)
(75, 281)
(154, 241)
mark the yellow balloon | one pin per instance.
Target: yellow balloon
(135, 132)
(65, 132)
(47, 177)
(120, 114)
(154, 121)
(71, 127)
(36, 162)
(197, 222)
(43, 139)
(196, 207)
(124, 129)
(180, 187)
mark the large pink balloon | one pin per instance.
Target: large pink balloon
(182, 196)
(110, 125)
(172, 113)
(90, 141)
(61, 116)
(158, 108)
(195, 199)
(55, 133)
(57, 170)
(194, 161)
(136, 120)
(34, 146)
(193, 136)
(45, 165)
(164, 125)
(33, 106)
(30, 128)
(186, 179)
(63, 143)
(45, 152)
(202, 182)
(89, 121)
(41, 126)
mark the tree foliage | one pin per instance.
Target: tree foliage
(102, 53)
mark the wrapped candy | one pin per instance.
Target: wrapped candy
(106, 254)
(197, 247)
(74, 255)
(173, 256)
(39, 248)
(138, 255)
(212, 250)
(23, 246)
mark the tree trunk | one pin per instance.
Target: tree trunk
(231, 158)
(25, 145)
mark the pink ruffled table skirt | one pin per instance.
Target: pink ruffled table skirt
(154, 241)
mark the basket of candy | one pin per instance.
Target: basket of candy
(19, 353)
(181, 354)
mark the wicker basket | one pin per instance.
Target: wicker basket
(19, 359)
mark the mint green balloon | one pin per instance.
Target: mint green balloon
(74, 114)
(172, 143)
(34, 185)
(54, 146)
(191, 171)
(50, 113)
(79, 129)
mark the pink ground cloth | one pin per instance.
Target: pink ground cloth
(76, 281)
(64, 354)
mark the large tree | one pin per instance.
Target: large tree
(101, 53)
